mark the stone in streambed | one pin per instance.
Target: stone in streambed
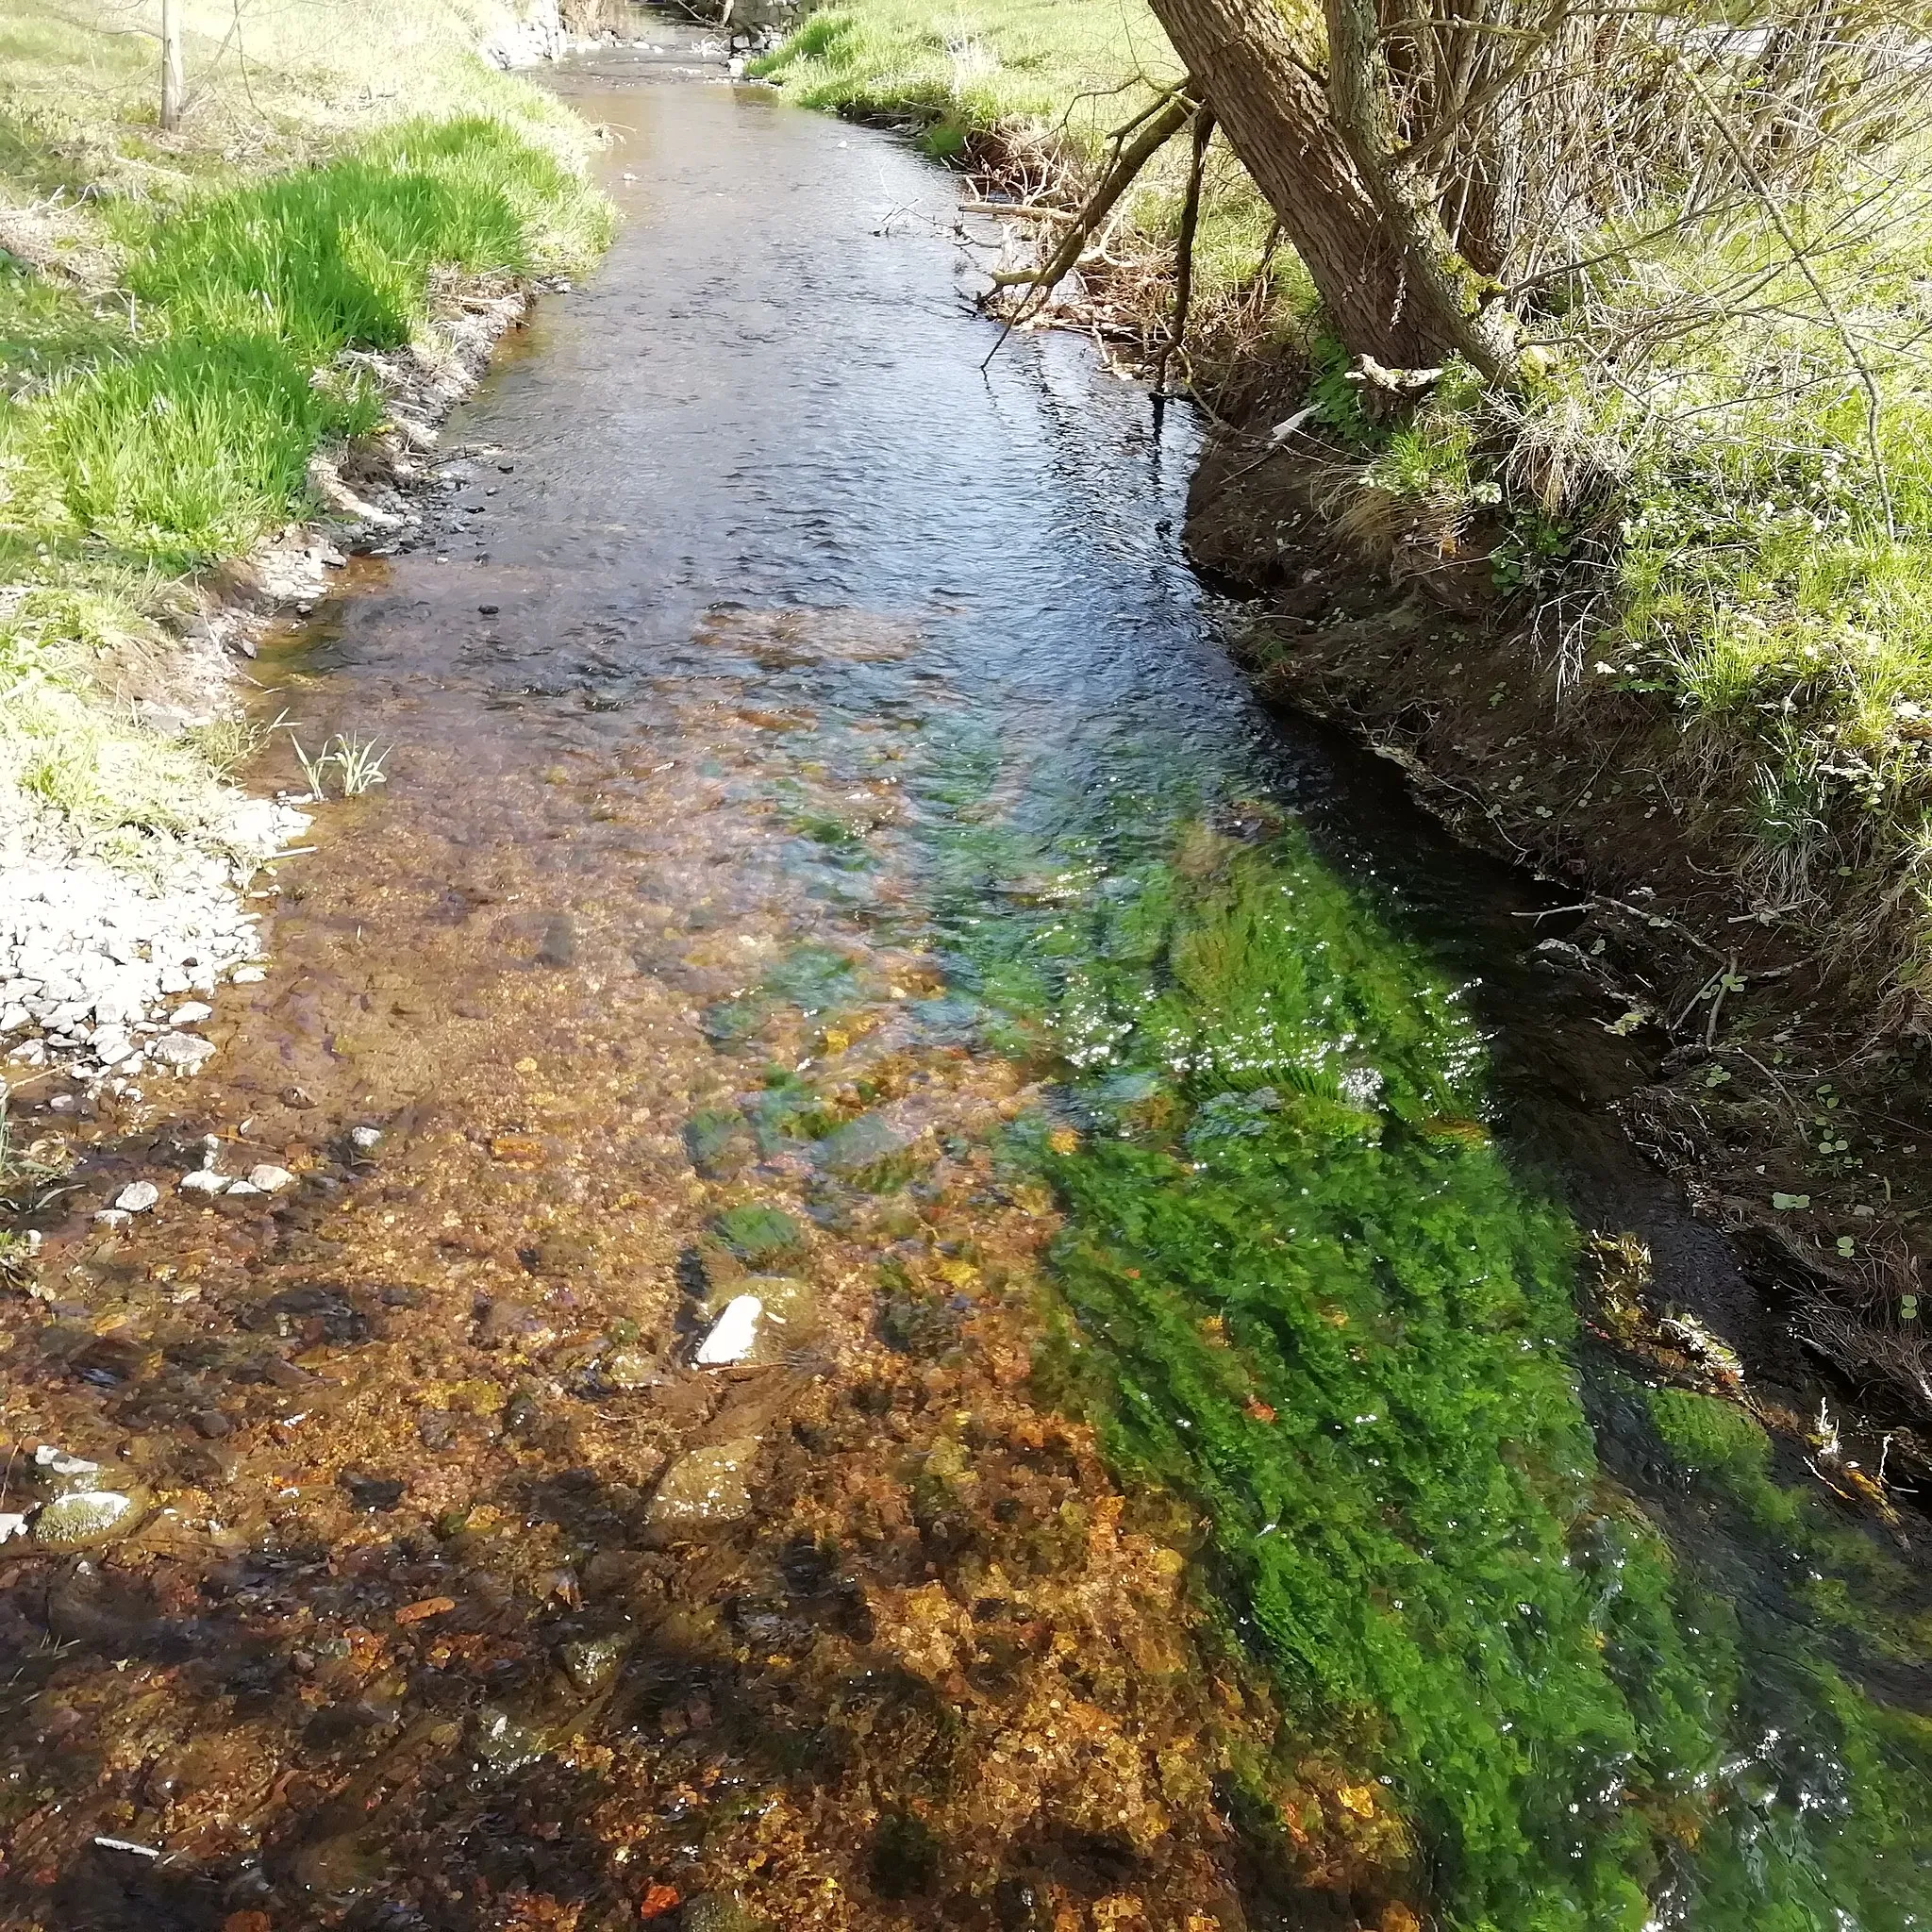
(706, 1488)
(592, 1662)
(184, 1052)
(559, 942)
(85, 1519)
(734, 1334)
(137, 1197)
(718, 1911)
(788, 1316)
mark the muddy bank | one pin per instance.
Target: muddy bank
(1795, 1123)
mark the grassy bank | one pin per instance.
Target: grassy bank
(179, 319)
(1713, 493)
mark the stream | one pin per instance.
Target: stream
(1189, 1467)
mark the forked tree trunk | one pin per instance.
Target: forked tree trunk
(1385, 269)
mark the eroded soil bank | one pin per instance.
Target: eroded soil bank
(830, 861)
(1782, 1092)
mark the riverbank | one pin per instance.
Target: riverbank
(1710, 724)
(224, 350)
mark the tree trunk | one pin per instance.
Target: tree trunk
(1392, 283)
(172, 84)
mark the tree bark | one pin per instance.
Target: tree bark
(1383, 265)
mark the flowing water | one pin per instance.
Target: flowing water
(827, 861)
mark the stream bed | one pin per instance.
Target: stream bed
(1187, 1465)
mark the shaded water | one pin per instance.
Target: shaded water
(828, 856)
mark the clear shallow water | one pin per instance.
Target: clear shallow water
(821, 791)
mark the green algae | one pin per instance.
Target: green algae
(1305, 1293)
(759, 1234)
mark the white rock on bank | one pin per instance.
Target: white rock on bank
(89, 953)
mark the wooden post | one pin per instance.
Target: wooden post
(172, 86)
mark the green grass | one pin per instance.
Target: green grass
(172, 358)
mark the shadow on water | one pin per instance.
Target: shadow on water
(828, 860)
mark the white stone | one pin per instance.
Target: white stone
(137, 1197)
(734, 1333)
(188, 1015)
(247, 975)
(204, 1180)
(270, 1179)
(187, 1053)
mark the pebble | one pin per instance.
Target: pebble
(502, 1743)
(592, 1662)
(270, 1179)
(54, 1471)
(559, 944)
(733, 1334)
(628, 1369)
(708, 1486)
(137, 1197)
(204, 1180)
(363, 1139)
(187, 1053)
(83, 1519)
(187, 1015)
(248, 976)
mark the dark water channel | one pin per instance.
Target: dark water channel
(830, 861)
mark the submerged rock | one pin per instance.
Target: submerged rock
(502, 1743)
(591, 1663)
(137, 1197)
(734, 1334)
(788, 1317)
(718, 1911)
(708, 1486)
(84, 1519)
(869, 1151)
(629, 1368)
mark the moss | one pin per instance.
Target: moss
(759, 1234)
(1300, 1290)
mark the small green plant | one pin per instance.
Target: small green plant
(356, 761)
